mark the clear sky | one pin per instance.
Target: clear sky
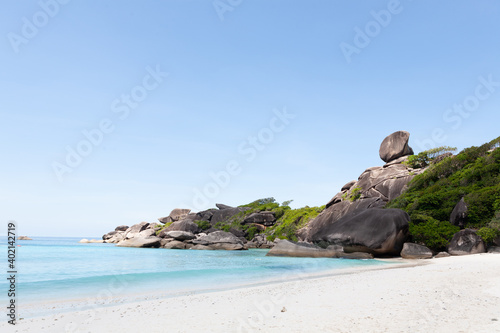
(116, 112)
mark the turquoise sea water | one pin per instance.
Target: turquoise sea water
(52, 269)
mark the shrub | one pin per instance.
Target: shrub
(203, 225)
(488, 234)
(291, 221)
(163, 227)
(353, 195)
(481, 205)
(251, 231)
(263, 204)
(430, 232)
(424, 158)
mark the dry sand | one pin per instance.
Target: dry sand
(455, 294)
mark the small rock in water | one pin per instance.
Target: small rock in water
(283, 310)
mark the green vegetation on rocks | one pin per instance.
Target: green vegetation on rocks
(353, 195)
(473, 174)
(163, 227)
(203, 225)
(291, 221)
(288, 220)
(424, 158)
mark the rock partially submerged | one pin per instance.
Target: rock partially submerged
(84, 240)
(24, 238)
(260, 242)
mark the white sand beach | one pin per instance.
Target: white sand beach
(454, 294)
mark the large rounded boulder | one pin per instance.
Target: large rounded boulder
(377, 231)
(466, 242)
(395, 146)
(334, 213)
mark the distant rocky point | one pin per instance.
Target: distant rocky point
(84, 240)
(24, 238)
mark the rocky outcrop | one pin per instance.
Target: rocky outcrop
(140, 242)
(84, 240)
(180, 235)
(375, 187)
(205, 215)
(348, 186)
(265, 218)
(220, 240)
(175, 215)
(395, 146)
(134, 230)
(260, 242)
(226, 213)
(124, 232)
(222, 206)
(185, 225)
(114, 236)
(236, 232)
(466, 242)
(459, 214)
(374, 230)
(415, 251)
(24, 238)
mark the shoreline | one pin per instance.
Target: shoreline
(45, 307)
(453, 294)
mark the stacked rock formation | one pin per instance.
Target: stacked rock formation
(353, 218)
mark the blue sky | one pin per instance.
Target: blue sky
(69, 67)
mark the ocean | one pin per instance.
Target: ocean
(60, 271)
